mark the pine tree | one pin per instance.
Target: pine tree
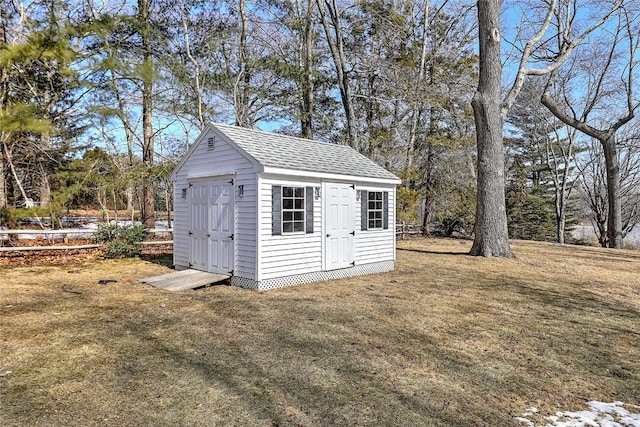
(39, 91)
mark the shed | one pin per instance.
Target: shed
(272, 210)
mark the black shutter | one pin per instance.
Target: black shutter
(276, 210)
(364, 206)
(385, 210)
(309, 209)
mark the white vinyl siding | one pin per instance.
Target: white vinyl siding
(290, 253)
(180, 222)
(379, 244)
(225, 161)
(246, 223)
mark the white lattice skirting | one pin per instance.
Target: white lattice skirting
(299, 279)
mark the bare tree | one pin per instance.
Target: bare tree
(148, 206)
(415, 108)
(549, 148)
(593, 185)
(491, 236)
(308, 43)
(330, 16)
(4, 104)
(199, 107)
(241, 86)
(599, 91)
(560, 154)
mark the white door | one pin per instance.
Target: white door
(340, 202)
(198, 225)
(221, 228)
(212, 226)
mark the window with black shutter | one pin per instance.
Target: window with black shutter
(374, 210)
(292, 209)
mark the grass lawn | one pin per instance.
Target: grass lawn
(446, 339)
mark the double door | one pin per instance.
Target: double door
(211, 226)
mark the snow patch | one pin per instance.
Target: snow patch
(600, 414)
(525, 421)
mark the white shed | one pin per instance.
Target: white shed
(273, 210)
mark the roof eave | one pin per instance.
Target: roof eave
(332, 176)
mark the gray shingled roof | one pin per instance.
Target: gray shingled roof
(288, 152)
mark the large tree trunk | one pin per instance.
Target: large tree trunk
(148, 208)
(491, 234)
(614, 218)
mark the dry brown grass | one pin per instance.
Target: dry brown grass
(446, 339)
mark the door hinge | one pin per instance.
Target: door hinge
(353, 263)
(208, 235)
(353, 233)
(231, 272)
(231, 182)
(353, 186)
(231, 237)
(328, 235)
(190, 265)
(190, 184)
(190, 232)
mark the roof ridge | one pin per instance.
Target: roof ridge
(271, 134)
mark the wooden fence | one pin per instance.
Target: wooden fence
(64, 235)
(402, 231)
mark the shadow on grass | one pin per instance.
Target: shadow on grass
(432, 252)
(306, 379)
(573, 297)
(165, 260)
(594, 254)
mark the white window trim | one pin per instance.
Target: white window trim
(303, 210)
(370, 211)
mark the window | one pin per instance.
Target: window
(293, 209)
(374, 210)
